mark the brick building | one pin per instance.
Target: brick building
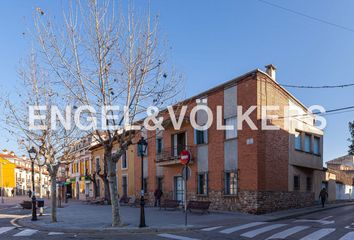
(255, 171)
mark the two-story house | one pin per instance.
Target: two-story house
(248, 168)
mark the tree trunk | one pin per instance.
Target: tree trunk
(54, 197)
(107, 191)
(112, 178)
(107, 194)
(94, 182)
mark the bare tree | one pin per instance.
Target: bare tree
(38, 92)
(108, 57)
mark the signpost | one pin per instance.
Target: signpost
(186, 174)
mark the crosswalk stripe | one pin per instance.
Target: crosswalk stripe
(318, 234)
(241, 227)
(348, 236)
(258, 231)
(26, 233)
(211, 228)
(55, 233)
(171, 236)
(286, 233)
(5, 229)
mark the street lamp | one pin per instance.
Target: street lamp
(33, 155)
(142, 146)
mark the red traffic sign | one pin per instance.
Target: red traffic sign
(185, 157)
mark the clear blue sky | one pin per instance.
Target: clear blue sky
(214, 41)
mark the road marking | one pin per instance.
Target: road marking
(286, 233)
(171, 236)
(211, 228)
(258, 231)
(55, 233)
(322, 221)
(348, 236)
(5, 229)
(241, 227)
(318, 234)
(26, 233)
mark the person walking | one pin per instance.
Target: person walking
(13, 192)
(323, 196)
(29, 193)
(158, 194)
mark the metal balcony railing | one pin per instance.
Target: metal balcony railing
(173, 153)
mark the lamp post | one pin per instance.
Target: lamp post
(33, 155)
(142, 146)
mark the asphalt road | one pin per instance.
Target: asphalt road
(331, 224)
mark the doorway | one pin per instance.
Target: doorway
(178, 143)
(179, 189)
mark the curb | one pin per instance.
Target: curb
(308, 212)
(122, 230)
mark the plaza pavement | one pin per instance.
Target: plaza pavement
(77, 216)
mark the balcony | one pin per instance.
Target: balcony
(170, 156)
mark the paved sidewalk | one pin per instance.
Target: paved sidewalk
(77, 216)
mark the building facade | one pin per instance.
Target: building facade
(339, 178)
(256, 171)
(125, 171)
(7, 176)
(22, 175)
(249, 168)
(78, 184)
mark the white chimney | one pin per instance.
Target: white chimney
(271, 70)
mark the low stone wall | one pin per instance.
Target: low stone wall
(254, 202)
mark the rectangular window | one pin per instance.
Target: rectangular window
(158, 145)
(87, 167)
(203, 183)
(307, 143)
(201, 137)
(296, 183)
(125, 185)
(316, 145)
(309, 184)
(298, 141)
(230, 183)
(232, 121)
(124, 161)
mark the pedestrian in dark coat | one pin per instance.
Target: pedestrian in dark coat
(158, 194)
(323, 196)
